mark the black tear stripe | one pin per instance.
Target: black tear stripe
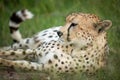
(68, 34)
(15, 18)
(13, 29)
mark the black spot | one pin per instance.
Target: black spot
(66, 61)
(21, 63)
(56, 36)
(39, 48)
(27, 41)
(40, 55)
(77, 64)
(62, 62)
(71, 68)
(26, 46)
(46, 53)
(71, 50)
(66, 67)
(68, 58)
(92, 55)
(88, 53)
(32, 67)
(58, 60)
(36, 41)
(15, 63)
(81, 48)
(3, 53)
(61, 55)
(50, 36)
(94, 67)
(83, 32)
(55, 30)
(20, 45)
(23, 52)
(80, 70)
(95, 51)
(44, 34)
(47, 46)
(72, 71)
(87, 58)
(76, 67)
(44, 50)
(83, 66)
(71, 45)
(74, 59)
(87, 62)
(62, 46)
(55, 56)
(12, 53)
(56, 65)
(79, 60)
(59, 68)
(66, 71)
(97, 63)
(52, 67)
(39, 45)
(89, 39)
(52, 46)
(1, 63)
(85, 55)
(66, 46)
(51, 70)
(58, 44)
(49, 61)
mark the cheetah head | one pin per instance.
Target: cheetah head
(82, 29)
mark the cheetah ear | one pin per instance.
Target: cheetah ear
(103, 25)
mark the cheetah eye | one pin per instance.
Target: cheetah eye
(73, 24)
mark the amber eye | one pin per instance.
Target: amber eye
(73, 24)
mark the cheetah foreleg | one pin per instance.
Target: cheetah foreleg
(22, 64)
(17, 54)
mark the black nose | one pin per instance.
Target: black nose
(59, 33)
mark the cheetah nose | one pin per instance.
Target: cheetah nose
(59, 33)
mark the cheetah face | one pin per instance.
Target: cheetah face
(82, 29)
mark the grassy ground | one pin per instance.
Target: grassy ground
(50, 13)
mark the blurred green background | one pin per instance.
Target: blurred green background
(49, 13)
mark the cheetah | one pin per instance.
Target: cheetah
(81, 47)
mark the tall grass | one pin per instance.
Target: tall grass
(49, 13)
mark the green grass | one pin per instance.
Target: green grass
(49, 13)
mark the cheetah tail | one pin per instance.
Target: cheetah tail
(15, 20)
